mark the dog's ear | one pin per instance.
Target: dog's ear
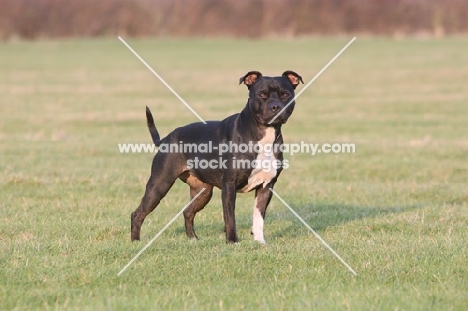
(293, 77)
(250, 78)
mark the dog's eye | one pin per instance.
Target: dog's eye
(262, 95)
(285, 95)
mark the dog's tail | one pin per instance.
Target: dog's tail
(152, 128)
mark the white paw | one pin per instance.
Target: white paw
(260, 240)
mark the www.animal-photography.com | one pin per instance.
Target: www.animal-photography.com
(233, 155)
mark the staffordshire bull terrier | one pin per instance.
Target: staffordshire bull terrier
(229, 170)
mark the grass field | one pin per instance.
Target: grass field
(396, 210)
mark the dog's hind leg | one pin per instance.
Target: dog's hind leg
(162, 178)
(156, 189)
(200, 202)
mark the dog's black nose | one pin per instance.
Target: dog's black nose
(275, 107)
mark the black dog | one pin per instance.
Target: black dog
(231, 170)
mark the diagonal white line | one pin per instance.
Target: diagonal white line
(311, 81)
(160, 232)
(161, 79)
(312, 230)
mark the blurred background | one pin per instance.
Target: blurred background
(31, 19)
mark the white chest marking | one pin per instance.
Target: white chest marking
(265, 171)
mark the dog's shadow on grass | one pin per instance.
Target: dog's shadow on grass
(319, 216)
(322, 216)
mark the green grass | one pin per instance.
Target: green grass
(396, 210)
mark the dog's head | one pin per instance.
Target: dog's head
(269, 95)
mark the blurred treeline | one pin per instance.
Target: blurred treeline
(31, 19)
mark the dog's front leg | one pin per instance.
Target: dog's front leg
(228, 197)
(262, 199)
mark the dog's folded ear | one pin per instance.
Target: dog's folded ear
(293, 77)
(250, 78)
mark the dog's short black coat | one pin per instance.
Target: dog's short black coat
(267, 96)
